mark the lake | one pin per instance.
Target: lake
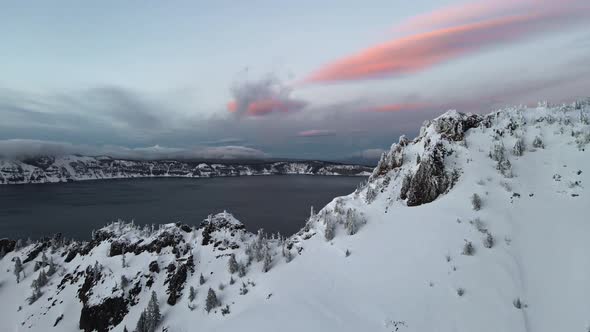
(275, 203)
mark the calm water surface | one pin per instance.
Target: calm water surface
(275, 203)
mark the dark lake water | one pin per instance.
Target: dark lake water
(275, 203)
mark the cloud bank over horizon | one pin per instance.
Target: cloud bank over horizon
(25, 148)
(330, 91)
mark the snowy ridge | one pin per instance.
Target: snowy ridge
(48, 169)
(478, 224)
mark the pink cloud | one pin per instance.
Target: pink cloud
(267, 106)
(452, 33)
(396, 107)
(316, 133)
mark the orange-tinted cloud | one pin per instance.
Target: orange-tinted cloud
(453, 33)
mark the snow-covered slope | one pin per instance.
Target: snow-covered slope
(478, 224)
(47, 169)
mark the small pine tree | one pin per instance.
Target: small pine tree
(519, 147)
(192, 293)
(232, 280)
(52, 268)
(351, 224)
(42, 279)
(476, 202)
(233, 264)
(241, 270)
(125, 328)
(267, 260)
(211, 301)
(153, 313)
(201, 279)
(347, 253)
(123, 263)
(142, 324)
(18, 268)
(538, 143)
(330, 230)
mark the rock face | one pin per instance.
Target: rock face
(102, 317)
(431, 179)
(77, 168)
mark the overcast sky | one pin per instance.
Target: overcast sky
(302, 79)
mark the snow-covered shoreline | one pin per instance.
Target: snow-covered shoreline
(78, 168)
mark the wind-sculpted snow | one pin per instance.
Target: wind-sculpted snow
(478, 224)
(78, 168)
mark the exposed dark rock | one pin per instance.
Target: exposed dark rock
(7, 245)
(176, 284)
(431, 178)
(154, 267)
(454, 126)
(36, 251)
(134, 293)
(104, 316)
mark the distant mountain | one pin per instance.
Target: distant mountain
(478, 224)
(49, 169)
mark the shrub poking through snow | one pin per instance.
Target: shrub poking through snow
(505, 168)
(538, 143)
(347, 253)
(517, 303)
(476, 202)
(488, 241)
(519, 147)
(468, 249)
(201, 279)
(225, 310)
(460, 291)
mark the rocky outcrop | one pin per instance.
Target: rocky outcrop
(102, 317)
(6, 246)
(430, 180)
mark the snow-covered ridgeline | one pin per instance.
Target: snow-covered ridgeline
(79, 168)
(478, 224)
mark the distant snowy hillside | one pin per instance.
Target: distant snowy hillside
(478, 224)
(78, 168)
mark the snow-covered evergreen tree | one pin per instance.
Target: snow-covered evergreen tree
(267, 260)
(519, 147)
(142, 323)
(18, 268)
(211, 301)
(52, 268)
(330, 230)
(201, 279)
(233, 264)
(153, 313)
(192, 293)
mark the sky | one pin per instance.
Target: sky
(256, 79)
